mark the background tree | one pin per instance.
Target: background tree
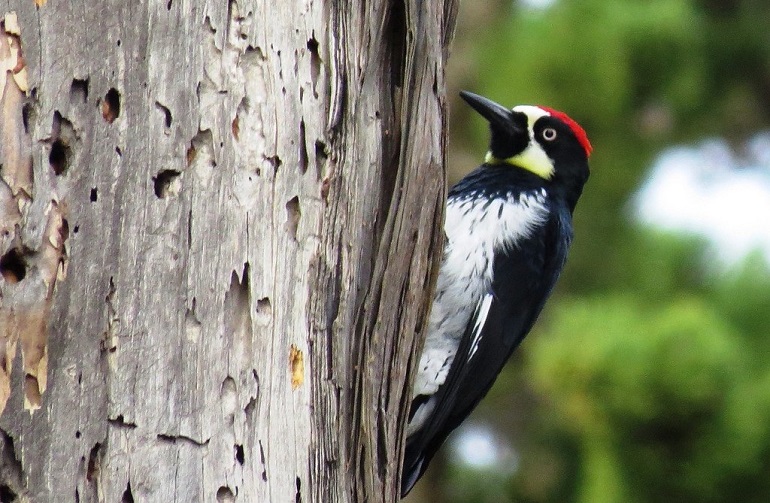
(217, 223)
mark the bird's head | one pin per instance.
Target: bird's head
(541, 140)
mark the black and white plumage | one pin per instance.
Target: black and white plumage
(508, 230)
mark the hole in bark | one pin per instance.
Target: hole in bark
(32, 391)
(303, 158)
(168, 5)
(225, 495)
(275, 161)
(190, 155)
(315, 62)
(239, 455)
(189, 237)
(237, 309)
(249, 409)
(26, 110)
(312, 45)
(111, 104)
(61, 132)
(293, 214)
(262, 460)
(118, 151)
(321, 150)
(128, 496)
(201, 151)
(166, 183)
(79, 90)
(76, 229)
(77, 434)
(13, 265)
(58, 157)
(321, 154)
(120, 422)
(166, 113)
(7, 495)
(94, 195)
(264, 311)
(257, 50)
(298, 494)
(29, 111)
(94, 462)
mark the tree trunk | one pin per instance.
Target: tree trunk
(217, 230)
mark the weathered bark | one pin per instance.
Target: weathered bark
(216, 229)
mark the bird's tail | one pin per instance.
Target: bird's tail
(413, 468)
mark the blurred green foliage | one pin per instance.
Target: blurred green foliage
(647, 377)
(660, 399)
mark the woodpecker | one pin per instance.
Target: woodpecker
(508, 230)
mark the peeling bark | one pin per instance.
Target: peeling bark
(217, 224)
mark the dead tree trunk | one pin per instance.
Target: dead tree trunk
(216, 229)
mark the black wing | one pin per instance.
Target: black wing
(523, 278)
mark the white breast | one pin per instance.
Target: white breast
(475, 228)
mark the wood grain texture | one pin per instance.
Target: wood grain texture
(218, 224)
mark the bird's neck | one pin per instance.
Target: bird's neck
(568, 189)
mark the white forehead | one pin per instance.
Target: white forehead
(533, 113)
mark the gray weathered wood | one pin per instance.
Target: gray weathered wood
(216, 229)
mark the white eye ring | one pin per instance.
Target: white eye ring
(549, 134)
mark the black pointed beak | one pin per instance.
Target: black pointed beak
(498, 116)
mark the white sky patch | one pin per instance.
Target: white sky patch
(476, 446)
(535, 4)
(710, 191)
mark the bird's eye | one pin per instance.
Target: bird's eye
(549, 134)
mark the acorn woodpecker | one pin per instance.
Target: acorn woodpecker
(508, 229)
